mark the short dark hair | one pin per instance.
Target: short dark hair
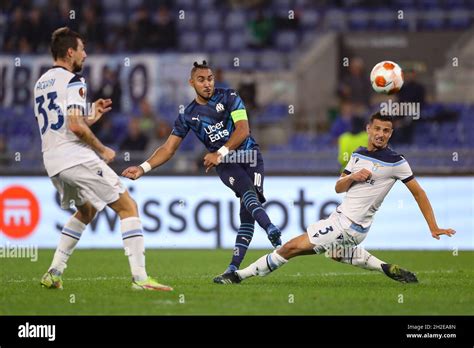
(197, 66)
(61, 40)
(379, 116)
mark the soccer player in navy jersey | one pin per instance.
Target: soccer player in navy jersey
(218, 118)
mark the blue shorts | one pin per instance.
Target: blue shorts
(243, 176)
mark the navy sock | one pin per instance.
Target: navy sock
(244, 237)
(254, 207)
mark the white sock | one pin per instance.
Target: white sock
(360, 257)
(133, 243)
(263, 266)
(70, 235)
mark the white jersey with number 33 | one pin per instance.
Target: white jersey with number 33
(55, 93)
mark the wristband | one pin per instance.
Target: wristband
(223, 151)
(145, 166)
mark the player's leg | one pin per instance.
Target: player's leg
(71, 232)
(237, 179)
(350, 252)
(133, 242)
(359, 257)
(256, 172)
(319, 237)
(268, 263)
(243, 239)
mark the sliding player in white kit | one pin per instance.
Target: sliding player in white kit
(76, 161)
(367, 179)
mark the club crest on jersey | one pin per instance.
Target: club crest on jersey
(82, 92)
(231, 181)
(219, 107)
(376, 166)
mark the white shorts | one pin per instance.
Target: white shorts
(337, 231)
(92, 181)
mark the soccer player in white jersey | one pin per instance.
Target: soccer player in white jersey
(368, 177)
(75, 160)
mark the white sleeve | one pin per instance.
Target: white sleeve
(350, 164)
(403, 172)
(77, 94)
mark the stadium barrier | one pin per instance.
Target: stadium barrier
(200, 212)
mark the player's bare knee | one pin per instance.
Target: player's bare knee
(85, 213)
(125, 206)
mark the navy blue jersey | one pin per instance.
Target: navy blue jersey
(214, 122)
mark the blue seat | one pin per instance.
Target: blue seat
(270, 60)
(335, 19)
(235, 20)
(309, 19)
(185, 4)
(189, 22)
(432, 20)
(359, 19)
(404, 3)
(237, 41)
(215, 41)
(429, 4)
(115, 18)
(206, 4)
(222, 60)
(273, 113)
(384, 19)
(247, 60)
(211, 20)
(458, 19)
(189, 41)
(451, 4)
(286, 40)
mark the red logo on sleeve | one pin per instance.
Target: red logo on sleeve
(19, 212)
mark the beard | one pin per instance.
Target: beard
(204, 97)
(76, 67)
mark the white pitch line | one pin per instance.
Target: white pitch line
(326, 274)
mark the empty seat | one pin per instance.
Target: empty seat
(189, 41)
(432, 20)
(384, 19)
(286, 40)
(237, 40)
(235, 20)
(309, 19)
(211, 20)
(214, 41)
(359, 19)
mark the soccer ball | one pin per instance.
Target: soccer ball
(386, 77)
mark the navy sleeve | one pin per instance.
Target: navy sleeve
(236, 106)
(181, 128)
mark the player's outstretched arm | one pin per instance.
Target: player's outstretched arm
(160, 156)
(77, 124)
(346, 181)
(425, 207)
(240, 133)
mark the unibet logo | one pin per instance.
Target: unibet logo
(19, 212)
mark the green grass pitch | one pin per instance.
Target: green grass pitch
(97, 282)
